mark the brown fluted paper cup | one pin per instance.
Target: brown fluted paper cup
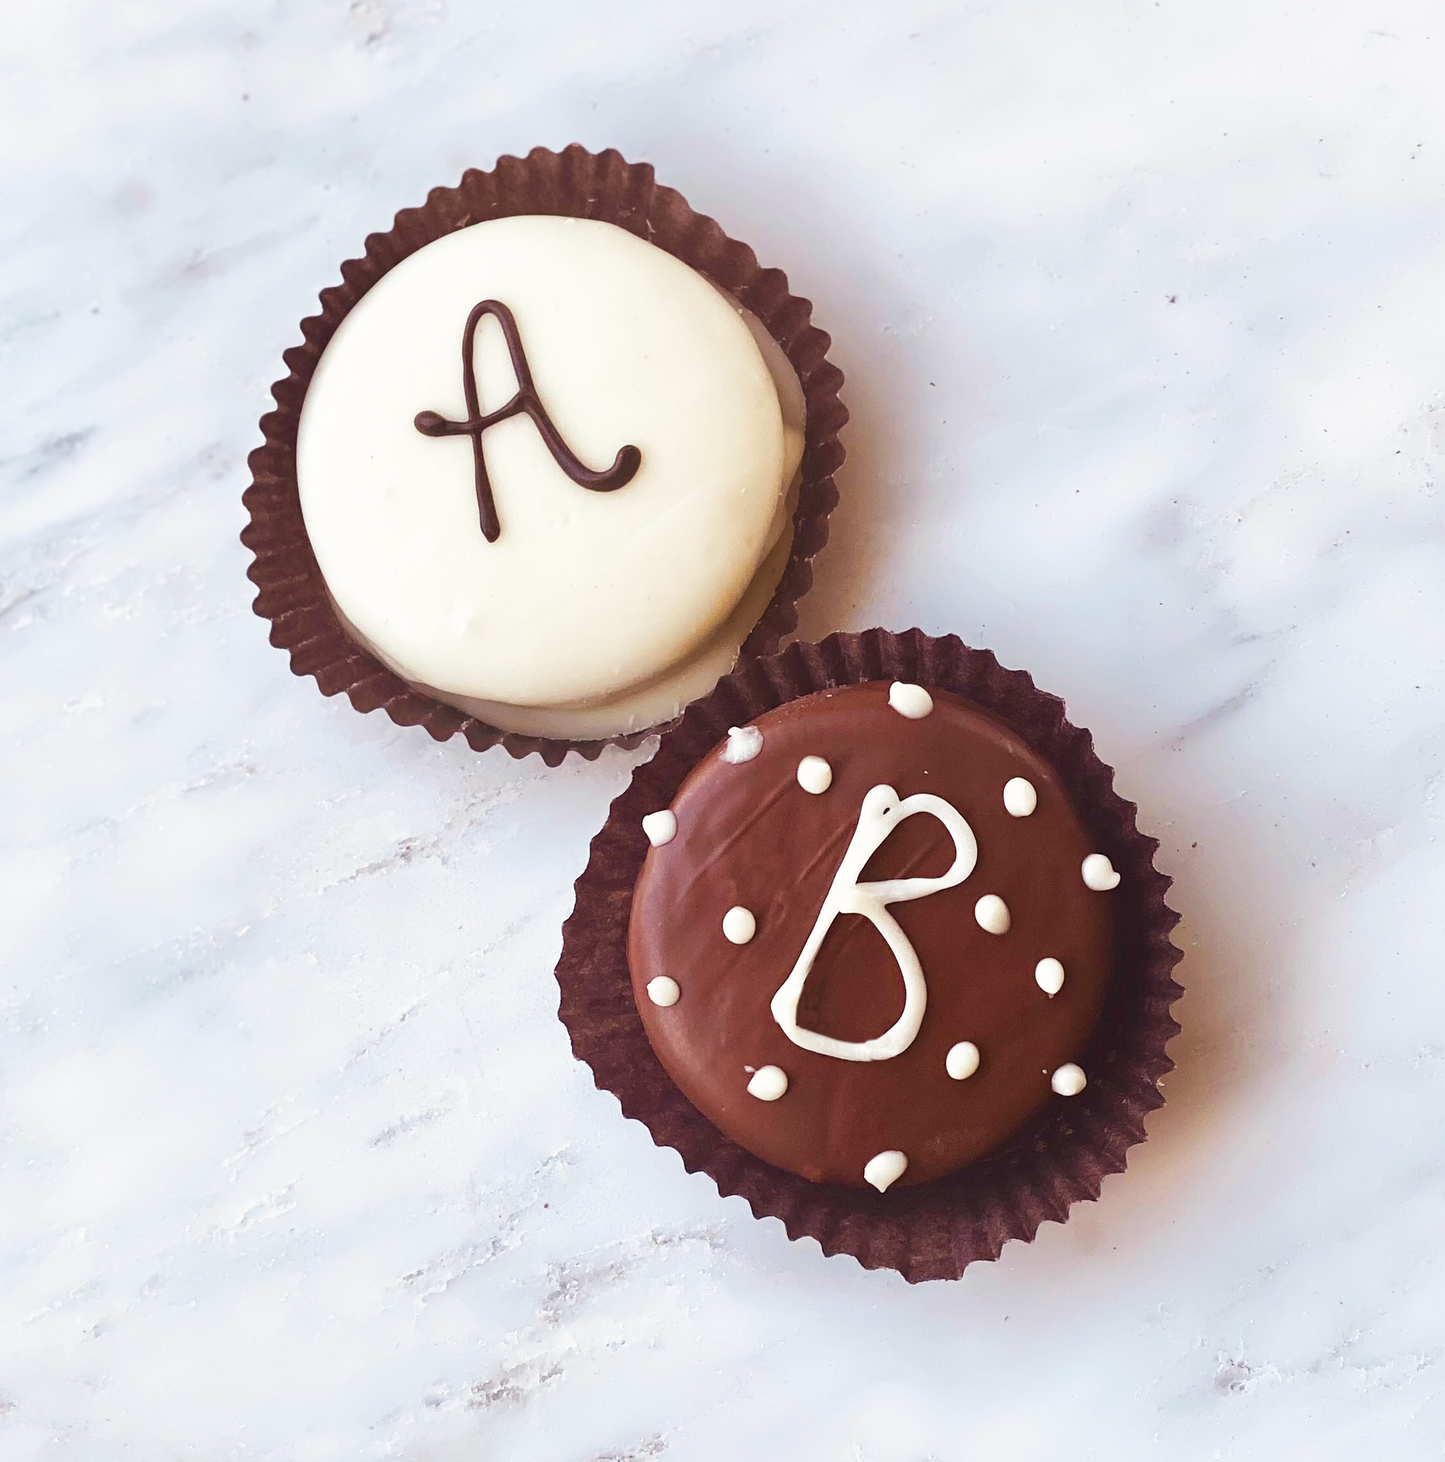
(577, 183)
(932, 1230)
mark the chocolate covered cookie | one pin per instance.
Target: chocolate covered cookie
(872, 936)
(544, 466)
(550, 455)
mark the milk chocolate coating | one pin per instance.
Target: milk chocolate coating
(750, 835)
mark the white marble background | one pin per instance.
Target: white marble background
(1142, 309)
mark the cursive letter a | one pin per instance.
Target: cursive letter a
(433, 424)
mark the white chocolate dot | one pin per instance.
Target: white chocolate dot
(1049, 974)
(814, 775)
(660, 827)
(1019, 797)
(961, 1061)
(768, 1083)
(743, 744)
(739, 926)
(992, 914)
(885, 1169)
(663, 991)
(910, 700)
(1069, 1080)
(1099, 873)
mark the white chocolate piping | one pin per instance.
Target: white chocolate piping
(660, 827)
(1099, 873)
(992, 914)
(910, 700)
(1069, 1080)
(1049, 976)
(663, 990)
(768, 1083)
(814, 775)
(882, 811)
(885, 1169)
(738, 925)
(961, 1061)
(1019, 797)
(743, 744)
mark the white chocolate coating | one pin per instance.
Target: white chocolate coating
(1019, 797)
(1069, 1079)
(814, 775)
(885, 1169)
(660, 827)
(992, 914)
(585, 596)
(739, 925)
(768, 1083)
(910, 700)
(962, 1060)
(1049, 976)
(664, 991)
(638, 707)
(1099, 873)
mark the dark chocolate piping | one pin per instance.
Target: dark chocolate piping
(433, 424)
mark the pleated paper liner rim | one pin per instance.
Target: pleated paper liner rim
(577, 183)
(932, 1230)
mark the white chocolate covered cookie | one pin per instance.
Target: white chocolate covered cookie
(571, 531)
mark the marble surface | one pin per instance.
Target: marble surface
(1140, 308)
